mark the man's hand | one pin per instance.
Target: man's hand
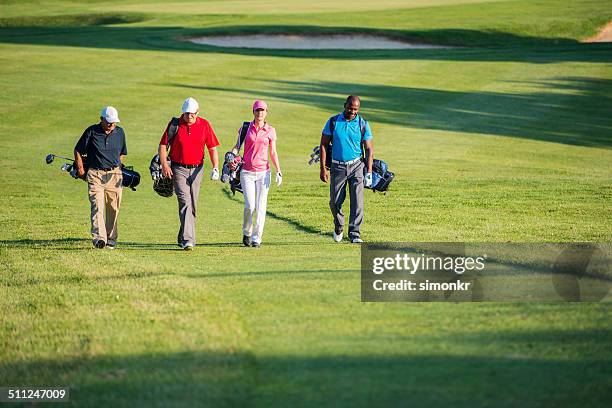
(214, 174)
(324, 176)
(279, 179)
(81, 173)
(166, 171)
(368, 180)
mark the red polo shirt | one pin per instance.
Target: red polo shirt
(188, 144)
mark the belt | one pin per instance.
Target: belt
(187, 166)
(346, 162)
(106, 168)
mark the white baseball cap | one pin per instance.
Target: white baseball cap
(110, 114)
(190, 106)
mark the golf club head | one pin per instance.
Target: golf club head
(49, 159)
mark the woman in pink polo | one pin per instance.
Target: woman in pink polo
(255, 175)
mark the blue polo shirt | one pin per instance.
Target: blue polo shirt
(346, 140)
(102, 150)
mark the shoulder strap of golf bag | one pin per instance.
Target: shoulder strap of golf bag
(243, 133)
(84, 157)
(172, 130)
(362, 126)
(332, 125)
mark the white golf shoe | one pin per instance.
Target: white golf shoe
(338, 237)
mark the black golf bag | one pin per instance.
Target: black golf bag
(161, 185)
(131, 178)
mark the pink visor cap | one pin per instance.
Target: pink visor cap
(259, 105)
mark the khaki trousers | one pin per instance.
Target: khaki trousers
(105, 198)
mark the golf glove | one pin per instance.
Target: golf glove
(368, 180)
(214, 174)
(279, 179)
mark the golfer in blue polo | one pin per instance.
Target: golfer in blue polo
(347, 132)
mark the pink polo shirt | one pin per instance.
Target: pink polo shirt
(256, 146)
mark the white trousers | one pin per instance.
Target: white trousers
(255, 186)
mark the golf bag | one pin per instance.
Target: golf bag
(381, 176)
(162, 185)
(131, 178)
(232, 164)
(230, 173)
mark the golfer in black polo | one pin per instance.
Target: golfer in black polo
(104, 146)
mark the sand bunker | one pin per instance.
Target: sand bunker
(309, 42)
(604, 35)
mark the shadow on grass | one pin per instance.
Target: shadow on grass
(272, 273)
(72, 244)
(296, 224)
(568, 110)
(374, 379)
(513, 47)
(81, 279)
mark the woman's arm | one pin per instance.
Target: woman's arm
(274, 156)
(236, 148)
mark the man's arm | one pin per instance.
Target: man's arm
(214, 157)
(81, 146)
(123, 152)
(369, 154)
(325, 140)
(78, 162)
(163, 159)
(214, 160)
(211, 142)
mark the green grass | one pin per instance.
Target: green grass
(507, 140)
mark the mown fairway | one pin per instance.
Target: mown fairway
(507, 139)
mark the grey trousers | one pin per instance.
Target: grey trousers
(340, 176)
(187, 188)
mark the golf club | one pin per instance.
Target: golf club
(50, 157)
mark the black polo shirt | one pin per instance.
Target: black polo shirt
(102, 150)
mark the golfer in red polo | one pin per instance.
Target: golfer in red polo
(187, 157)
